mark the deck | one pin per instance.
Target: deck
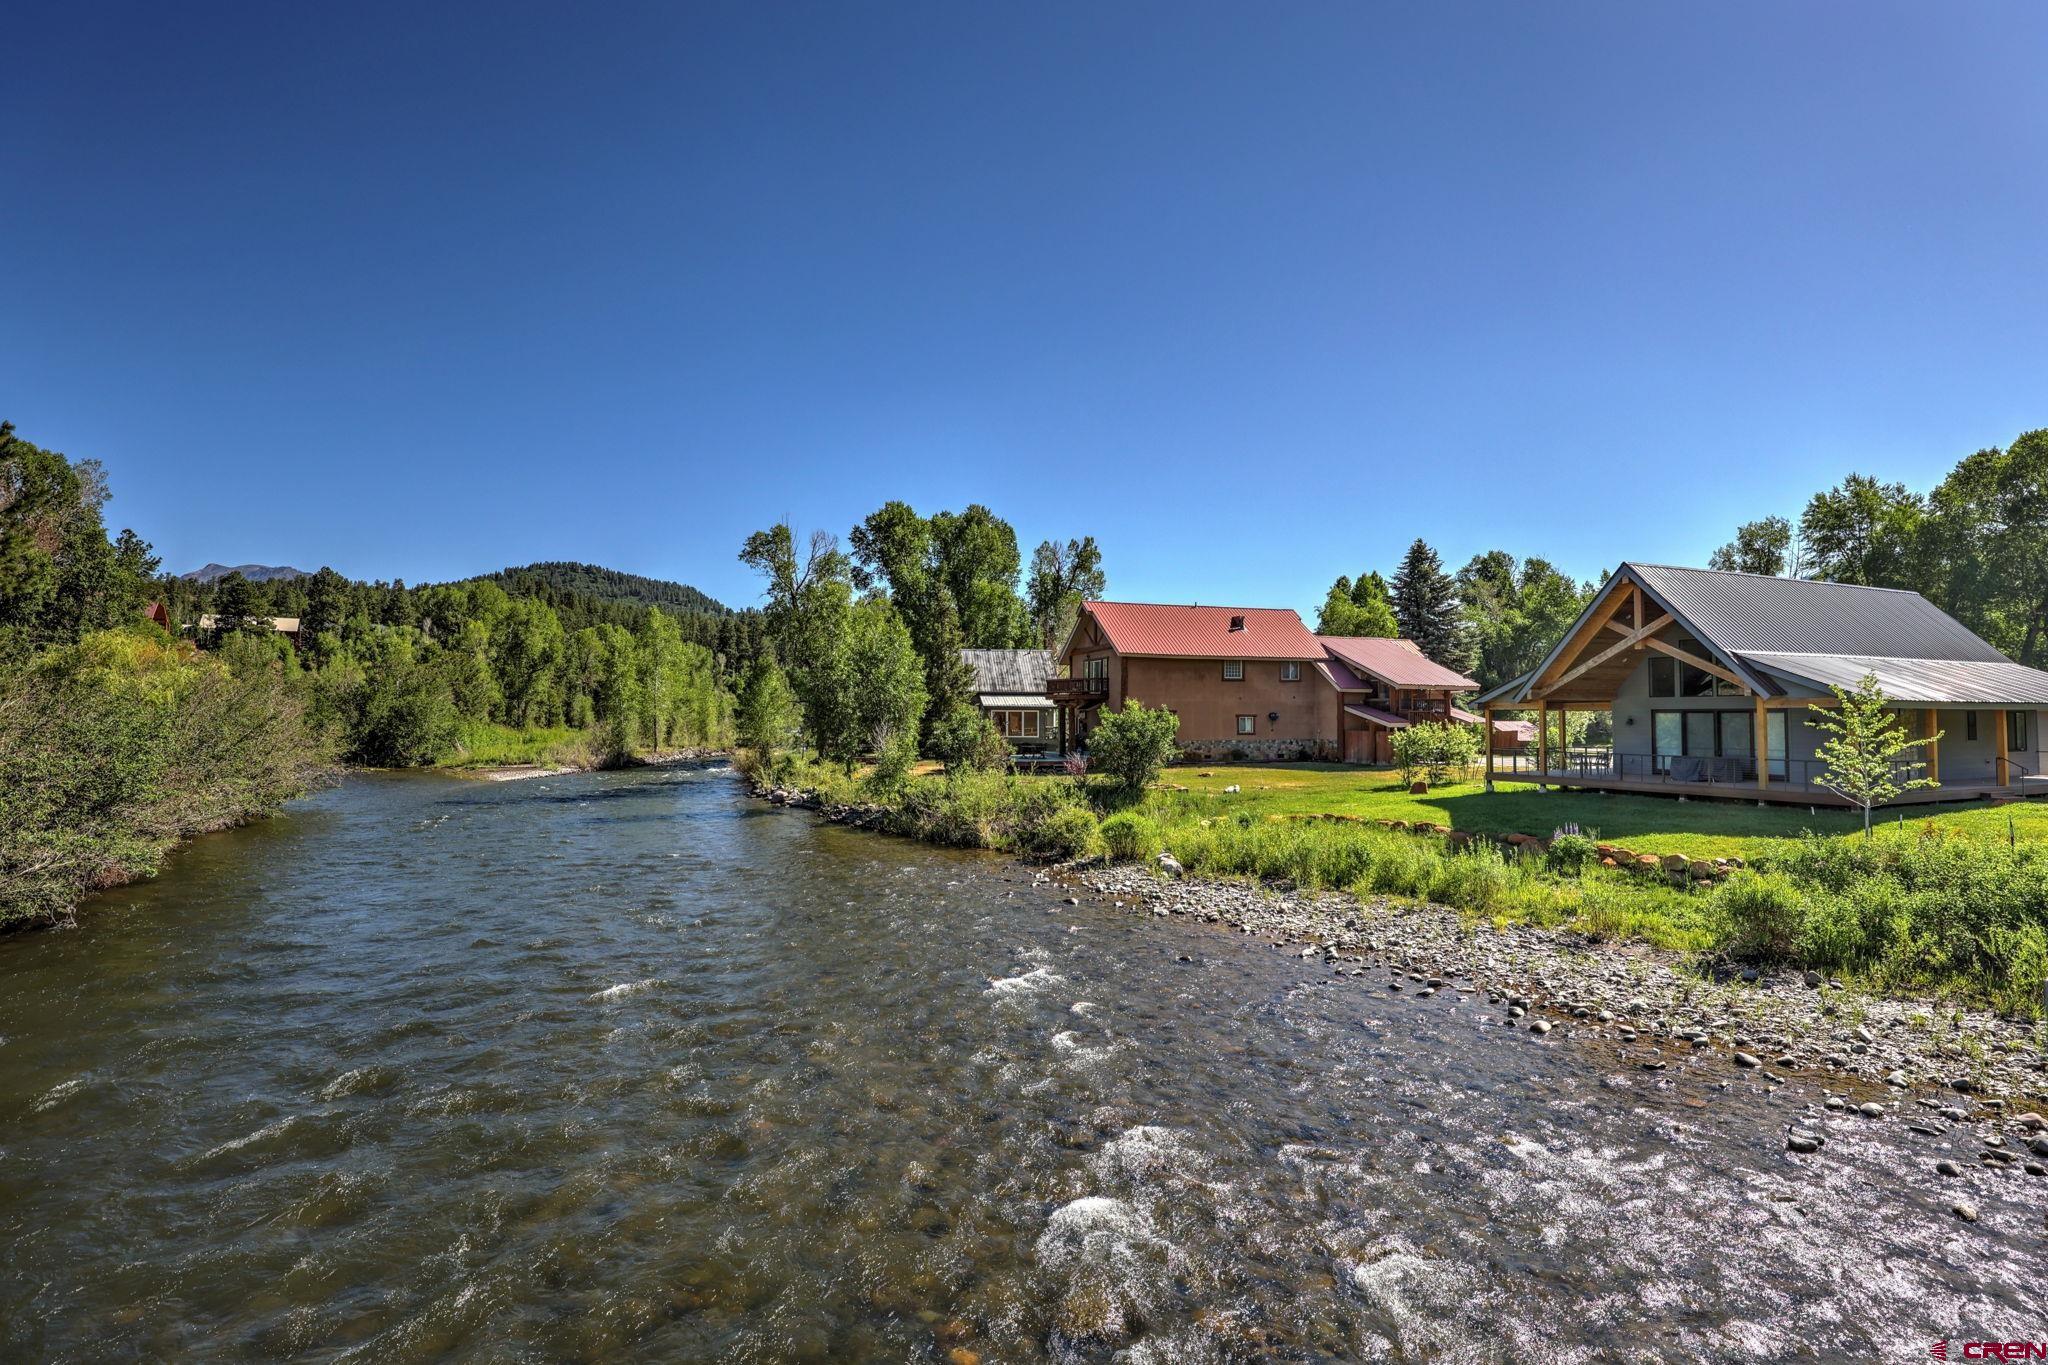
(1780, 791)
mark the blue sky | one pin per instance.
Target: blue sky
(1253, 294)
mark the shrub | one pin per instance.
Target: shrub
(1760, 916)
(1130, 836)
(1570, 852)
(1434, 751)
(1131, 745)
(1066, 832)
(966, 738)
(895, 755)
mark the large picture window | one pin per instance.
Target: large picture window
(1715, 734)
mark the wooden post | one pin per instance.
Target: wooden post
(1489, 748)
(2004, 759)
(1761, 743)
(1933, 749)
(1542, 740)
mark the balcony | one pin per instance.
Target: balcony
(1083, 690)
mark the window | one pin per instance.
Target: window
(1247, 725)
(1663, 676)
(1970, 726)
(2015, 729)
(1233, 670)
(1290, 673)
(1694, 682)
(1096, 668)
(1016, 724)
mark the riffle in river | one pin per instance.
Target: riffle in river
(629, 1065)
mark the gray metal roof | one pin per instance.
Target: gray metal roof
(1754, 613)
(1804, 635)
(1936, 681)
(1012, 672)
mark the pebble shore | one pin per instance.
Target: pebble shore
(1777, 1025)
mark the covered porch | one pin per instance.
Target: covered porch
(1688, 719)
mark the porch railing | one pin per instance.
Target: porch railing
(1076, 689)
(1696, 771)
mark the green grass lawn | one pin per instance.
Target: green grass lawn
(1646, 824)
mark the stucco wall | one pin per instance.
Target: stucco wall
(1209, 705)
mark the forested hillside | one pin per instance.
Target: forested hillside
(564, 577)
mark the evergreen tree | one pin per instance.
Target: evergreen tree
(1426, 608)
(234, 605)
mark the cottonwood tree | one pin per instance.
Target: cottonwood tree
(1862, 531)
(1357, 608)
(1062, 577)
(1768, 546)
(810, 598)
(1860, 757)
(1514, 612)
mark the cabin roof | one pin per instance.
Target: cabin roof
(1399, 663)
(1195, 632)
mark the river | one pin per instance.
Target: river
(631, 1066)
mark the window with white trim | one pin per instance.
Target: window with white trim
(1247, 725)
(1290, 673)
(1016, 724)
(1233, 670)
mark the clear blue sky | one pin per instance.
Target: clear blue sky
(1252, 293)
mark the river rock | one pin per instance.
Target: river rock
(1872, 1110)
(1743, 1059)
(1964, 1210)
(1540, 1027)
(1947, 1167)
(1796, 1141)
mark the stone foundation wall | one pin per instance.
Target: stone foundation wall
(1253, 750)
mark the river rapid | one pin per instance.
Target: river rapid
(629, 1065)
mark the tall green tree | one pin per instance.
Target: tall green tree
(1765, 546)
(896, 549)
(1062, 577)
(768, 719)
(1427, 609)
(976, 557)
(810, 599)
(526, 649)
(234, 606)
(888, 701)
(1985, 545)
(1344, 614)
(1515, 611)
(1862, 531)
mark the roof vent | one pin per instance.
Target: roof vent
(1237, 623)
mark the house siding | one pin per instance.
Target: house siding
(1208, 705)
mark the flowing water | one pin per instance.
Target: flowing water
(628, 1066)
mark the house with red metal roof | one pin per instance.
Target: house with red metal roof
(1253, 682)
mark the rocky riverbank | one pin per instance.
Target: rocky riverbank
(1645, 1007)
(1920, 1061)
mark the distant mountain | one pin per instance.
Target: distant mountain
(255, 573)
(606, 585)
